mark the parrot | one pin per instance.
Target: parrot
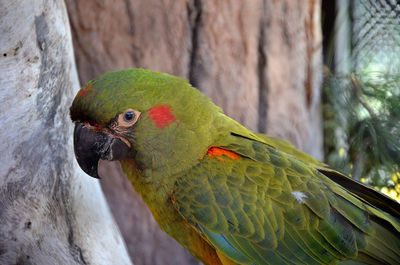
(227, 194)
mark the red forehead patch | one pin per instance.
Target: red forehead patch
(161, 115)
(84, 91)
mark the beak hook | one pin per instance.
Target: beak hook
(90, 146)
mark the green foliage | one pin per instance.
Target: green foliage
(362, 129)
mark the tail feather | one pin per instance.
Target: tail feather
(383, 246)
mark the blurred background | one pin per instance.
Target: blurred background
(361, 93)
(322, 74)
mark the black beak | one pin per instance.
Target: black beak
(90, 146)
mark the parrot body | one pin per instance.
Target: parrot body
(228, 195)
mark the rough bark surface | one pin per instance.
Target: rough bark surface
(50, 212)
(292, 46)
(259, 60)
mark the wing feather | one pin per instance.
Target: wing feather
(275, 207)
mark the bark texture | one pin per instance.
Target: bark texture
(50, 212)
(259, 60)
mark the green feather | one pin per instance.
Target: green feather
(265, 202)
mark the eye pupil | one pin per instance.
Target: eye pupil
(128, 116)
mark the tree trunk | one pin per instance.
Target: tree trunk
(50, 211)
(259, 60)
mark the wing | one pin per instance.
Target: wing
(264, 206)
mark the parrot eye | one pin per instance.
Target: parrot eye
(128, 118)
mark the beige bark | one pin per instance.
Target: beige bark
(292, 76)
(260, 60)
(50, 211)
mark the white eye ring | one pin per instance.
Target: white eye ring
(128, 117)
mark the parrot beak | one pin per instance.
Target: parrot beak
(90, 146)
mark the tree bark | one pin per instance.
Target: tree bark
(259, 60)
(292, 76)
(50, 211)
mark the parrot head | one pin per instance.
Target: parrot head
(159, 121)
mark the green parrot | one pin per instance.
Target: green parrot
(227, 194)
